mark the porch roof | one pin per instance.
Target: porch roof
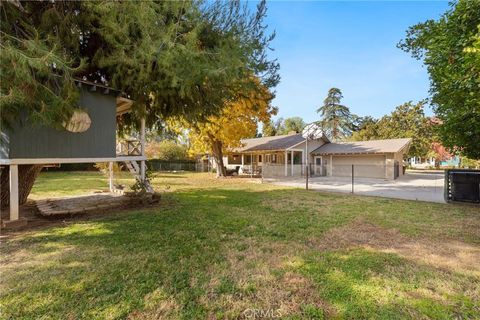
(275, 143)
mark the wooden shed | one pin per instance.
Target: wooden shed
(89, 137)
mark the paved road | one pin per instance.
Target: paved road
(412, 186)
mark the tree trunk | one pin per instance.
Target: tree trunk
(218, 156)
(27, 174)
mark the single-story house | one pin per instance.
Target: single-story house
(287, 155)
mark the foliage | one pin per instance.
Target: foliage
(336, 119)
(103, 167)
(469, 163)
(406, 121)
(272, 127)
(174, 59)
(283, 126)
(166, 150)
(293, 124)
(239, 119)
(450, 48)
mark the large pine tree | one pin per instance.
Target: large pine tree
(336, 119)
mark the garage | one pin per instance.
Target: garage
(379, 159)
(364, 166)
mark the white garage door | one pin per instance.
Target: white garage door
(366, 166)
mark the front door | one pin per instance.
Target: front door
(318, 166)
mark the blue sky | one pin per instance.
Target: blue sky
(349, 45)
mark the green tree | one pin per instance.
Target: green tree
(293, 124)
(336, 118)
(166, 150)
(406, 121)
(272, 127)
(174, 59)
(450, 48)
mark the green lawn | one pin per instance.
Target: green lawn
(229, 248)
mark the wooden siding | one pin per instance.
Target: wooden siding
(29, 142)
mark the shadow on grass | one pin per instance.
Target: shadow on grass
(111, 267)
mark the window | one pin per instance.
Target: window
(259, 158)
(274, 158)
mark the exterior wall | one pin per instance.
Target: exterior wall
(312, 145)
(29, 142)
(391, 158)
(366, 166)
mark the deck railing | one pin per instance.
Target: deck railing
(129, 147)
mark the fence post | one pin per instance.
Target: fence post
(353, 179)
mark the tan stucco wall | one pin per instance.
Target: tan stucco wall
(391, 158)
(368, 166)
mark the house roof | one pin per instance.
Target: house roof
(270, 143)
(364, 147)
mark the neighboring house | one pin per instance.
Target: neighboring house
(285, 156)
(442, 159)
(89, 137)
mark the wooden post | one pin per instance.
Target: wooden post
(142, 141)
(353, 175)
(286, 163)
(110, 176)
(331, 165)
(291, 162)
(251, 165)
(14, 211)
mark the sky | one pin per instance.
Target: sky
(351, 46)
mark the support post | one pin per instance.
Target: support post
(14, 210)
(286, 163)
(306, 163)
(110, 176)
(292, 162)
(331, 165)
(251, 165)
(142, 142)
(353, 177)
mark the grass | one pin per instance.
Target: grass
(231, 249)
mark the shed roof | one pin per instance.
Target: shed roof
(282, 142)
(123, 104)
(364, 147)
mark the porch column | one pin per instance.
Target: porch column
(286, 163)
(291, 158)
(243, 161)
(110, 176)
(331, 165)
(251, 165)
(13, 192)
(142, 142)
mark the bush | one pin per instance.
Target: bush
(166, 150)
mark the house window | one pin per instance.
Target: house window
(259, 158)
(274, 158)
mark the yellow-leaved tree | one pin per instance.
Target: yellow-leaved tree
(239, 119)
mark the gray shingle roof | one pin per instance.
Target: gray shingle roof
(363, 147)
(270, 143)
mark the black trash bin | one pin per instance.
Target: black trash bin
(464, 185)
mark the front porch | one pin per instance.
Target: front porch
(284, 163)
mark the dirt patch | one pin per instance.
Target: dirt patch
(36, 221)
(448, 254)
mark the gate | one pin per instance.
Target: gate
(462, 185)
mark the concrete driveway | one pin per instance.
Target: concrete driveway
(412, 186)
